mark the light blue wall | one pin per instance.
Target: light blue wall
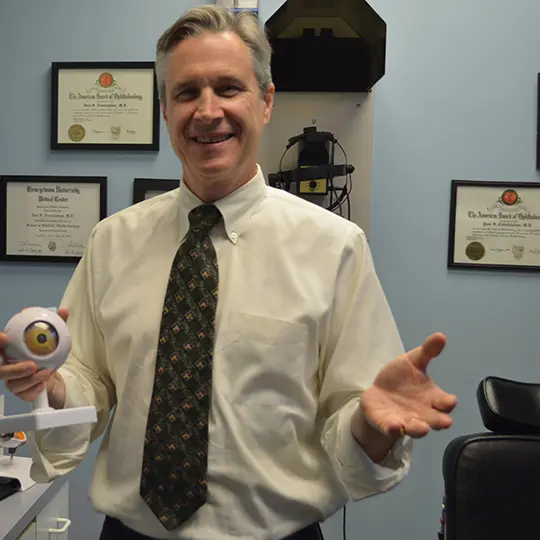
(458, 101)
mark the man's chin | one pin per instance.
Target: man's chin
(216, 167)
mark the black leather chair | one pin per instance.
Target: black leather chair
(492, 479)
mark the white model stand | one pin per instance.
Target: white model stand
(45, 417)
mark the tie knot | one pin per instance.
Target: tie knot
(203, 218)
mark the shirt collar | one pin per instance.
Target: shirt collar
(235, 207)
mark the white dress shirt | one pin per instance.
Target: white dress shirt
(302, 328)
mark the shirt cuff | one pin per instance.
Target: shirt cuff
(362, 476)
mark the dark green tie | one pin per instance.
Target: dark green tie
(174, 470)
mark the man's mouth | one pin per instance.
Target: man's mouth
(213, 139)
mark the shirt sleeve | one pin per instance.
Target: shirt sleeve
(58, 451)
(361, 339)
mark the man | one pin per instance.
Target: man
(240, 333)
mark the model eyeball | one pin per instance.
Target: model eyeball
(39, 335)
(41, 338)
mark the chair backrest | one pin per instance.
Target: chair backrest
(508, 406)
(491, 479)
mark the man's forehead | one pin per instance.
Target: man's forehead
(195, 60)
(211, 43)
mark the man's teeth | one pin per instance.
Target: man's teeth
(209, 140)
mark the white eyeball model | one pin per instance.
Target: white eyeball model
(41, 335)
(38, 334)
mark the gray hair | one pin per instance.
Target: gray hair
(213, 18)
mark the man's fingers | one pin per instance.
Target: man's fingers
(31, 393)
(419, 427)
(434, 344)
(19, 385)
(17, 371)
(415, 428)
(439, 421)
(391, 426)
(444, 402)
(432, 347)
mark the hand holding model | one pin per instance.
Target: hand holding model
(36, 342)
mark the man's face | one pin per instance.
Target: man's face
(214, 110)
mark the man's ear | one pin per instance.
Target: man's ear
(269, 102)
(164, 111)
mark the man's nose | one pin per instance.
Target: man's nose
(208, 108)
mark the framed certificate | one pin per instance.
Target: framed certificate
(146, 188)
(104, 106)
(538, 122)
(494, 225)
(49, 218)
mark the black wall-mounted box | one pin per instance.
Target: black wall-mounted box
(327, 46)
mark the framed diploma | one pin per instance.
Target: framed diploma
(538, 122)
(494, 225)
(49, 218)
(146, 188)
(104, 106)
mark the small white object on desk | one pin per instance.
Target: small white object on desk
(19, 468)
(41, 335)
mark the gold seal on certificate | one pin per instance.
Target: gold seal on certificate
(104, 106)
(76, 132)
(475, 251)
(494, 225)
(48, 218)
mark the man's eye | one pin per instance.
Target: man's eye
(186, 94)
(229, 90)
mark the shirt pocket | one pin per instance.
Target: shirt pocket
(264, 362)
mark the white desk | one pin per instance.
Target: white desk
(39, 513)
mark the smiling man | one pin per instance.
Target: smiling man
(239, 333)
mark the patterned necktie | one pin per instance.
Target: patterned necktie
(174, 470)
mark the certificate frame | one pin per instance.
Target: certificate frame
(143, 186)
(5, 181)
(538, 122)
(504, 200)
(77, 144)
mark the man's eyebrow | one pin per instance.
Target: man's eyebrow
(230, 79)
(194, 83)
(183, 85)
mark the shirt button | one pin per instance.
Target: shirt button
(234, 236)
